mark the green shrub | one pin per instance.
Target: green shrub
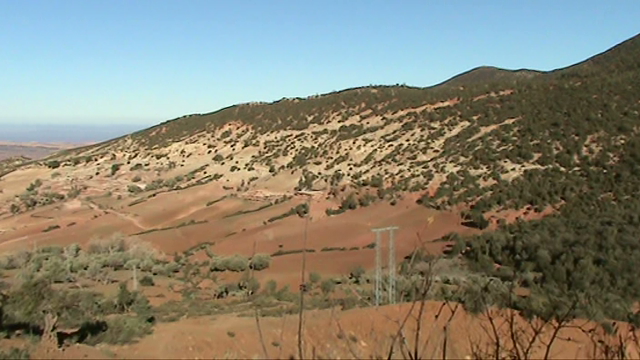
(147, 280)
(324, 249)
(34, 185)
(74, 192)
(271, 287)
(337, 211)
(236, 263)
(51, 228)
(158, 270)
(15, 208)
(327, 286)
(285, 294)
(357, 273)
(171, 268)
(134, 189)
(122, 329)
(136, 202)
(314, 277)
(218, 264)
(350, 203)
(289, 252)
(209, 203)
(260, 262)
(53, 164)
(115, 168)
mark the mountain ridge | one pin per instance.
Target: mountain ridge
(482, 75)
(487, 74)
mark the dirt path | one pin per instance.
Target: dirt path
(182, 215)
(11, 241)
(125, 216)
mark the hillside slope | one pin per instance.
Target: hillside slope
(563, 143)
(481, 136)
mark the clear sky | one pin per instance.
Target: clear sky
(146, 61)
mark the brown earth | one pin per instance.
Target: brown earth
(336, 334)
(234, 233)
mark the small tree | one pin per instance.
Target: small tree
(350, 203)
(327, 286)
(236, 263)
(53, 164)
(260, 262)
(54, 270)
(253, 285)
(115, 168)
(124, 299)
(357, 274)
(314, 277)
(271, 287)
(218, 264)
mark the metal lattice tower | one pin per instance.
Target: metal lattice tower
(392, 268)
(391, 286)
(378, 266)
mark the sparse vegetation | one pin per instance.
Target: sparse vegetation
(215, 201)
(51, 228)
(300, 210)
(243, 212)
(183, 224)
(289, 252)
(560, 147)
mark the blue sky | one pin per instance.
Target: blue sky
(146, 61)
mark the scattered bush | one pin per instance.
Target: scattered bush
(147, 281)
(260, 262)
(115, 168)
(324, 249)
(236, 263)
(134, 189)
(327, 286)
(289, 252)
(51, 228)
(123, 329)
(314, 277)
